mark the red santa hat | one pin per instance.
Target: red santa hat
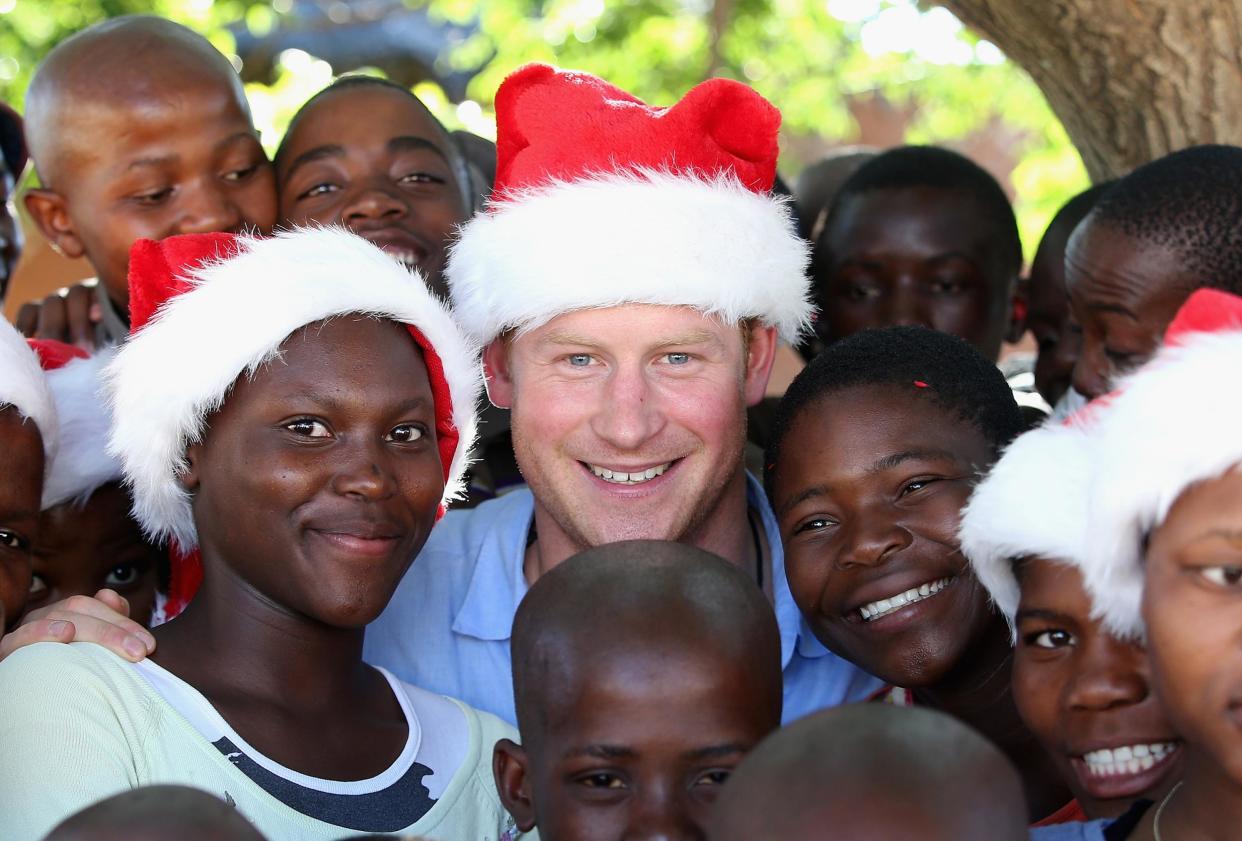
(602, 200)
(82, 462)
(23, 386)
(1170, 424)
(1032, 503)
(206, 309)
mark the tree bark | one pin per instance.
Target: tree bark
(1131, 80)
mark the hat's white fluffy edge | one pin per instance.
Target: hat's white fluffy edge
(82, 463)
(1173, 424)
(1032, 503)
(636, 237)
(23, 386)
(178, 369)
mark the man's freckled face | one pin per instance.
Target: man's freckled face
(372, 159)
(917, 256)
(1080, 690)
(82, 549)
(1192, 608)
(1123, 294)
(868, 491)
(21, 465)
(185, 162)
(629, 388)
(637, 745)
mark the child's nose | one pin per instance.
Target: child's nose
(373, 203)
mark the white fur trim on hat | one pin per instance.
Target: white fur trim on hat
(633, 238)
(1032, 503)
(179, 367)
(23, 385)
(82, 463)
(1174, 423)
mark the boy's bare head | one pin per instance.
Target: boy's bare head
(873, 771)
(125, 62)
(139, 128)
(639, 668)
(157, 813)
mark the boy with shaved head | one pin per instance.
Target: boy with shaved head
(873, 771)
(630, 734)
(139, 129)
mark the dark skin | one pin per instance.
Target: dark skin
(916, 255)
(374, 160)
(10, 230)
(154, 813)
(1058, 338)
(83, 549)
(181, 157)
(1081, 690)
(869, 509)
(315, 486)
(1193, 571)
(1123, 293)
(636, 739)
(21, 465)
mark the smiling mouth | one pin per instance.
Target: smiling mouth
(631, 477)
(883, 607)
(409, 259)
(1128, 760)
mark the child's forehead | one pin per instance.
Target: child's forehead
(389, 112)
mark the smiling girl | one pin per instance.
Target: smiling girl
(305, 459)
(877, 446)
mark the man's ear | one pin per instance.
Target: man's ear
(1018, 307)
(509, 767)
(189, 477)
(50, 212)
(760, 354)
(498, 374)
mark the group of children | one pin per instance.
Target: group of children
(248, 428)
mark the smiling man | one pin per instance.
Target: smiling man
(629, 280)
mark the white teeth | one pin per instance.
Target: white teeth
(884, 607)
(1131, 759)
(619, 477)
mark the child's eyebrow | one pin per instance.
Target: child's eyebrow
(896, 459)
(409, 143)
(1045, 614)
(330, 150)
(603, 752)
(718, 751)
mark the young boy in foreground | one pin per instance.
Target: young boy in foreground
(138, 129)
(643, 672)
(872, 771)
(1086, 694)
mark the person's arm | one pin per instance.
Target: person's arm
(103, 620)
(65, 738)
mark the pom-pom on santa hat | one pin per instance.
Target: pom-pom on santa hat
(1032, 503)
(1170, 424)
(601, 200)
(82, 463)
(23, 386)
(208, 308)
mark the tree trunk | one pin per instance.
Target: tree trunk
(1131, 80)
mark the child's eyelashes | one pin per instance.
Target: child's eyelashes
(241, 174)
(406, 433)
(601, 780)
(321, 189)
(1223, 576)
(152, 198)
(1049, 638)
(814, 524)
(308, 428)
(713, 777)
(13, 540)
(421, 178)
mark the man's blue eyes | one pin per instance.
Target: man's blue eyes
(581, 360)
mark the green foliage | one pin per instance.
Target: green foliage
(806, 56)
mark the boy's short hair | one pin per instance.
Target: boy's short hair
(623, 588)
(856, 771)
(908, 167)
(917, 359)
(1189, 203)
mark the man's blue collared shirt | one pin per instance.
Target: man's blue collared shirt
(447, 627)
